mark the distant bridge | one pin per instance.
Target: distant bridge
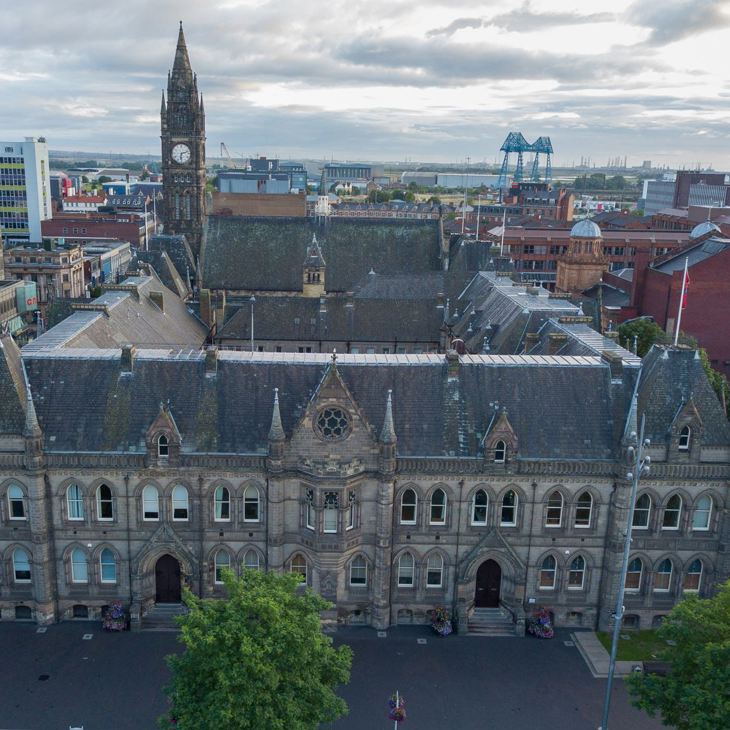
(515, 142)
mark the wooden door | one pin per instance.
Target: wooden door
(488, 583)
(167, 580)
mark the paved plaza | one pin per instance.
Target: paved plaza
(57, 679)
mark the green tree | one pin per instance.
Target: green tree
(694, 695)
(718, 381)
(397, 195)
(410, 197)
(647, 333)
(256, 659)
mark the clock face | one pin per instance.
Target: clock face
(181, 154)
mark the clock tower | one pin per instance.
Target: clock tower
(183, 151)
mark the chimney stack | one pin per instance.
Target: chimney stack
(129, 354)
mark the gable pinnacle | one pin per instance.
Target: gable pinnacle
(31, 419)
(387, 435)
(276, 432)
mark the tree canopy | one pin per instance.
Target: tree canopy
(695, 694)
(647, 333)
(256, 659)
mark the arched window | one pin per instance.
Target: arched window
(298, 564)
(310, 514)
(509, 508)
(405, 570)
(479, 508)
(16, 503)
(672, 512)
(438, 507)
(576, 574)
(434, 571)
(150, 503)
(330, 512)
(21, 566)
(408, 505)
(583, 510)
(250, 504)
(104, 502)
(685, 436)
(702, 513)
(163, 446)
(554, 510)
(548, 569)
(79, 566)
(642, 512)
(500, 452)
(358, 571)
(633, 575)
(108, 566)
(179, 503)
(222, 504)
(693, 577)
(75, 502)
(663, 576)
(251, 560)
(222, 561)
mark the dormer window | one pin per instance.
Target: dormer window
(685, 436)
(163, 447)
(500, 452)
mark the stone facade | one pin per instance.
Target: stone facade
(363, 498)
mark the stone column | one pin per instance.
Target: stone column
(381, 618)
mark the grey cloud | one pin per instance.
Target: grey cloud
(673, 20)
(454, 25)
(525, 19)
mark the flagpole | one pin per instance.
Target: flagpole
(504, 224)
(681, 300)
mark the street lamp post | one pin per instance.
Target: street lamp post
(253, 301)
(639, 463)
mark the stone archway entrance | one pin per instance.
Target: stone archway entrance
(167, 580)
(488, 585)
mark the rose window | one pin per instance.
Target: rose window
(333, 423)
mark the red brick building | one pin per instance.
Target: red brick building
(535, 251)
(80, 227)
(657, 292)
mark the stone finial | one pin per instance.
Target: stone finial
(387, 435)
(276, 432)
(334, 356)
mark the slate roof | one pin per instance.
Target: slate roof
(669, 378)
(99, 408)
(12, 388)
(378, 285)
(511, 311)
(177, 248)
(164, 267)
(125, 314)
(263, 254)
(582, 341)
(356, 319)
(695, 255)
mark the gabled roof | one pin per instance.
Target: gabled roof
(695, 254)
(670, 378)
(12, 388)
(264, 254)
(127, 314)
(437, 414)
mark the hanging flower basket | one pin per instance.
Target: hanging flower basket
(441, 621)
(114, 618)
(397, 708)
(540, 625)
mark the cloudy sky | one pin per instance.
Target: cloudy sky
(379, 79)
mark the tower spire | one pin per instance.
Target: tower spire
(182, 61)
(163, 108)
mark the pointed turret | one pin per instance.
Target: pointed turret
(276, 432)
(313, 273)
(387, 435)
(163, 107)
